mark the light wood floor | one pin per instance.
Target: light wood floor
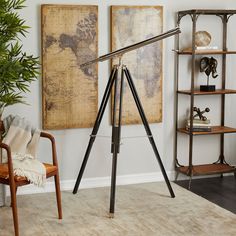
(143, 209)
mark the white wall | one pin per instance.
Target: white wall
(136, 154)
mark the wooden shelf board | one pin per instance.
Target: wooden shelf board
(207, 169)
(215, 130)
(217, 91)
(205, 52)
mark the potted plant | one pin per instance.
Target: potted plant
(17, 69)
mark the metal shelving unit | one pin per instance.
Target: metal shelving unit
(220, 166)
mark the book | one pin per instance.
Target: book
(198, 121)
(200, 129)
(199, 125)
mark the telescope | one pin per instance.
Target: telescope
(122, 51)
(117, 82)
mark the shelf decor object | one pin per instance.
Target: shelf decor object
(69, 38)
(208, 65)
(200, 122)
(202, 39)
(129, 25)
(220, 166)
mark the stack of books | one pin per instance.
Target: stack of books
(199, 125)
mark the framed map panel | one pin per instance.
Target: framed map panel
(129, 25)
(69, 38)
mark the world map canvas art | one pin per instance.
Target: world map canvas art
(69, 39)
(129, 25)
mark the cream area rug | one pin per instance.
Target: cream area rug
(141, 210)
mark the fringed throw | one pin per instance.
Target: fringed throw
(23, 140)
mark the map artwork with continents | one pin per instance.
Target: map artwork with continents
(69, 38)
(130, 25)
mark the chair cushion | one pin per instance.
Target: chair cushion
(5, 175)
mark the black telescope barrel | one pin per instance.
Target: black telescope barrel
(132, 47)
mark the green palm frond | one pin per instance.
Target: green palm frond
(17, 68)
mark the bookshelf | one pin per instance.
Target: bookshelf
(220, 166)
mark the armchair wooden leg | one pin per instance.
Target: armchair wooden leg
(15, 192)
(14, 208)
(58, 194)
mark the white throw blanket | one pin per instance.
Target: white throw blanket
(23, 140)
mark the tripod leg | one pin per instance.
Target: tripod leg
(147, 128)
(115, 147)
(113, 184)
(96, 125)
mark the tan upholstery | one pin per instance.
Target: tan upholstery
(5, 175)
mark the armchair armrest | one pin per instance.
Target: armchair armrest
(8, 150)
(9, 160)
(53, 143)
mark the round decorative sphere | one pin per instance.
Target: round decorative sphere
(202, 38)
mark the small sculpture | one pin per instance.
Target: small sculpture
(200, 113)
(199, 122)
(208, 65)
(202, 39)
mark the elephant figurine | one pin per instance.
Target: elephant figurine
(208, 65)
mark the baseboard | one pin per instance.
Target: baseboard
(68, 185)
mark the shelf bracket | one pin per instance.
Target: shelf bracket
(179, 17)
(228, 16)
(192, 16)
(221, 160)
(177, 163)
(223, 18)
